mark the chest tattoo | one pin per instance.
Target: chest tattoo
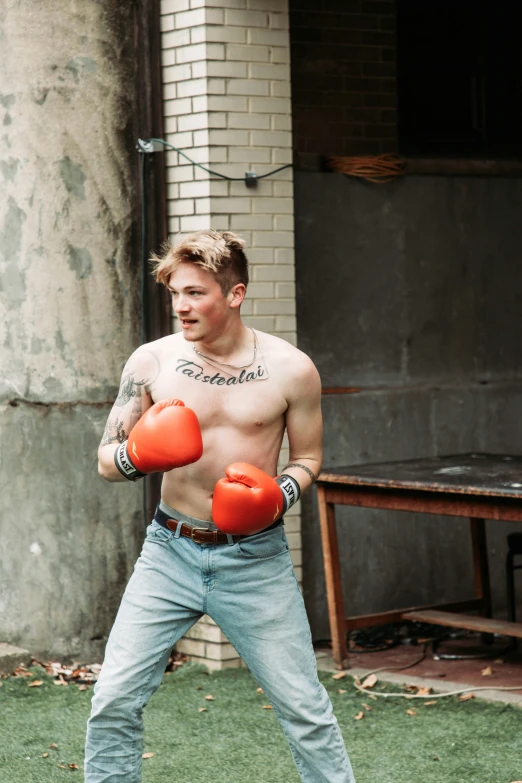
(196, 372)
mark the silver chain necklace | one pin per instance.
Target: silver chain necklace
(225, 364)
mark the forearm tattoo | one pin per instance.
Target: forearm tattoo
(303, 467)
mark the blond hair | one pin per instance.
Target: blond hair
(221, 252)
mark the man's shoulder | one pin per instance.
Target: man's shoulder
(151, 354)
(159, 346)
(287, 357)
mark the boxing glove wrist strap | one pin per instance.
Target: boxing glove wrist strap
(124, 464)
(290, 489)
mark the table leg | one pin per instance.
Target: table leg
(334, 589)
(481, 569)
(480, 564)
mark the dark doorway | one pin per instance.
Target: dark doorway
(459, 78)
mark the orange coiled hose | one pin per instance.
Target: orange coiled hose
(373, 168)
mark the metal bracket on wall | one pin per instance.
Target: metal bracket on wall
(149, 146)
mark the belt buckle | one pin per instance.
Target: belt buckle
(197, 530)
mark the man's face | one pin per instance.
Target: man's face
(198, 302)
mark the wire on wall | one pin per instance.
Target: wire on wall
(250, 179)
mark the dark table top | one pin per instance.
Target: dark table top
(498, 475)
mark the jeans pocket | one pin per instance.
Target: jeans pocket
(267, 543)
(156, 532)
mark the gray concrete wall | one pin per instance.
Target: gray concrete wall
(69, 317)
(410, 291)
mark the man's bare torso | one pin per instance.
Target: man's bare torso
(241, 412)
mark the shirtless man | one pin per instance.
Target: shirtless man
(217, 544)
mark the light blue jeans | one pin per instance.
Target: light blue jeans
(250, 590)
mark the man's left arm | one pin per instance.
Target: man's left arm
(236, 508)
(304, 426)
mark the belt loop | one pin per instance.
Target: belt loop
(178, 529)
(230, 539)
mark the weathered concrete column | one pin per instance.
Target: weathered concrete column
(69, 317)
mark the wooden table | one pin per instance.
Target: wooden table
(478, 486)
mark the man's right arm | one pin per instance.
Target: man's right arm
(134, 398)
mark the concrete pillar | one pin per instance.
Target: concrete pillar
(226, 87)
(69, 318)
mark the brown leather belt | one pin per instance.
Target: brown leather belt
(200, 535)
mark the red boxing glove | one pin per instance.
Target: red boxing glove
(167, 436)
(248, 499)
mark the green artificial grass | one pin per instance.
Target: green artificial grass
(237, 741)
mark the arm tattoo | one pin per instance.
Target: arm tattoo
(130, 387)
(303, 467)
(114, 432)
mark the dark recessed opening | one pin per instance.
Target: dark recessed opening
(459, 78)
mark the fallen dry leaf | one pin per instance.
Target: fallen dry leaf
(203, 709)
(44, 755)
(209, 697)
(82, 687)
(359, 716)
(260, 690)
(338, 676)
(428, 703)
(53, 746)
(370, 681)
(487, 671)
(21, 671)
(60, 680)
(267, 707)
(35, 684)
(372, 696)
(61, 766)
(342, 690)
(424, 692)
(147, 755)
(466, 696)
(367, 707)
(75, 766)
(411, 712)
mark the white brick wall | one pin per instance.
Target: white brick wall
(227, 105)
